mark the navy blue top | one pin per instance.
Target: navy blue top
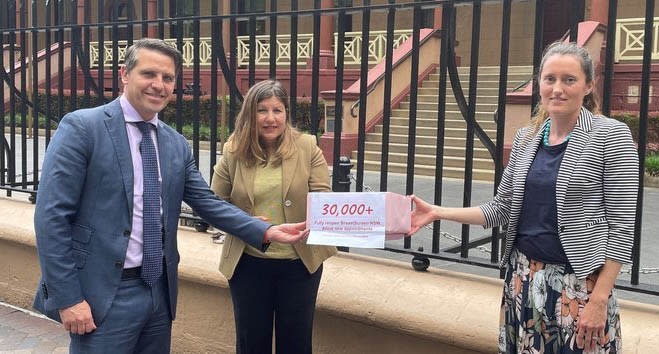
(537, 231)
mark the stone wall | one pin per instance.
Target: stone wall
(365, 305)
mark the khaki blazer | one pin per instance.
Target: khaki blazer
(306, 171)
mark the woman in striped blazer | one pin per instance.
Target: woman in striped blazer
(569, 196)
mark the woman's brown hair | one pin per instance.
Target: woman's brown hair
(245, 138)
(562, 48)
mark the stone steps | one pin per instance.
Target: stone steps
(450, 106)
(428, 113)
(427, 170)
(432, 123)
(401, 148)
(431, 97)
(449, 161)
(431, 132)
(455, 127)
(459, 142)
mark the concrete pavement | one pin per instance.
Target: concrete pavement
(23, 332)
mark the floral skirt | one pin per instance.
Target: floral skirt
(541, 306)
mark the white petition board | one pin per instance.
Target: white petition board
(362, 220)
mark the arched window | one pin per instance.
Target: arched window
(125, 11)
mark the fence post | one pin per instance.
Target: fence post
(343, 182)
(343, 174)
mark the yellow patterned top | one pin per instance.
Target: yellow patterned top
(268, 202)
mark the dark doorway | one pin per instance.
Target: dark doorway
(556, 20)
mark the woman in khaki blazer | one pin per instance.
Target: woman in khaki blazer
(267, 169)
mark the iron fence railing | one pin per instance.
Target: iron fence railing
(51, 65)
(376, 46)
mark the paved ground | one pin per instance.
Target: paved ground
(22, 332)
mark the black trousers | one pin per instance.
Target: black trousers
(264, 290)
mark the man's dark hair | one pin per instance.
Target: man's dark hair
(154, 44)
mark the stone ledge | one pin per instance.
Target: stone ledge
(650, 181)
(381, 293)
(365, 304)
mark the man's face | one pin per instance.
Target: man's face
(150, 83)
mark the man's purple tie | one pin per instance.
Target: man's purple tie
(152, 236)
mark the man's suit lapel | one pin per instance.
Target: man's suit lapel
(578, 140)
(116, 126)
(165, 157)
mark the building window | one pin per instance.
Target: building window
(5, 23)
(427, 19)
(125, 11)
(244, 7)
(68, 15)
(187, 9)
(348, 18)
(4, 20)
(122, 13)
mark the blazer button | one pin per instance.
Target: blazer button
(126, 233)
(288, 203)
(119, 264)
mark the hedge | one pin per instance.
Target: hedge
(632, 121)
(19, 119)
(652, 165)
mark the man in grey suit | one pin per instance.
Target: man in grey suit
(107, 211)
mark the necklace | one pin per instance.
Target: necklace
(545, 137)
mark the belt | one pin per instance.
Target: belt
(131, 273)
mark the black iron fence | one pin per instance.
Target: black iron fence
(58, 57)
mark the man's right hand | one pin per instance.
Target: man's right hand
(78, 319)
(287, 233)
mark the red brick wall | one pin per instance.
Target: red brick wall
(626, 88)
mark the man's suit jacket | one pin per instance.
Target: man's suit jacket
(305, 171)
(596, 192)
(84, 209)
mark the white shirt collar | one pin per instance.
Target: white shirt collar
(131, 115)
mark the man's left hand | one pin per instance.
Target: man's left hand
(287, 233)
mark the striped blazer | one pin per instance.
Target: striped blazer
(596, 192)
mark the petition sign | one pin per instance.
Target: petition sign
(357, 219)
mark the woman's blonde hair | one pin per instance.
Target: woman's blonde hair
(562, 48)
(244, 141)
